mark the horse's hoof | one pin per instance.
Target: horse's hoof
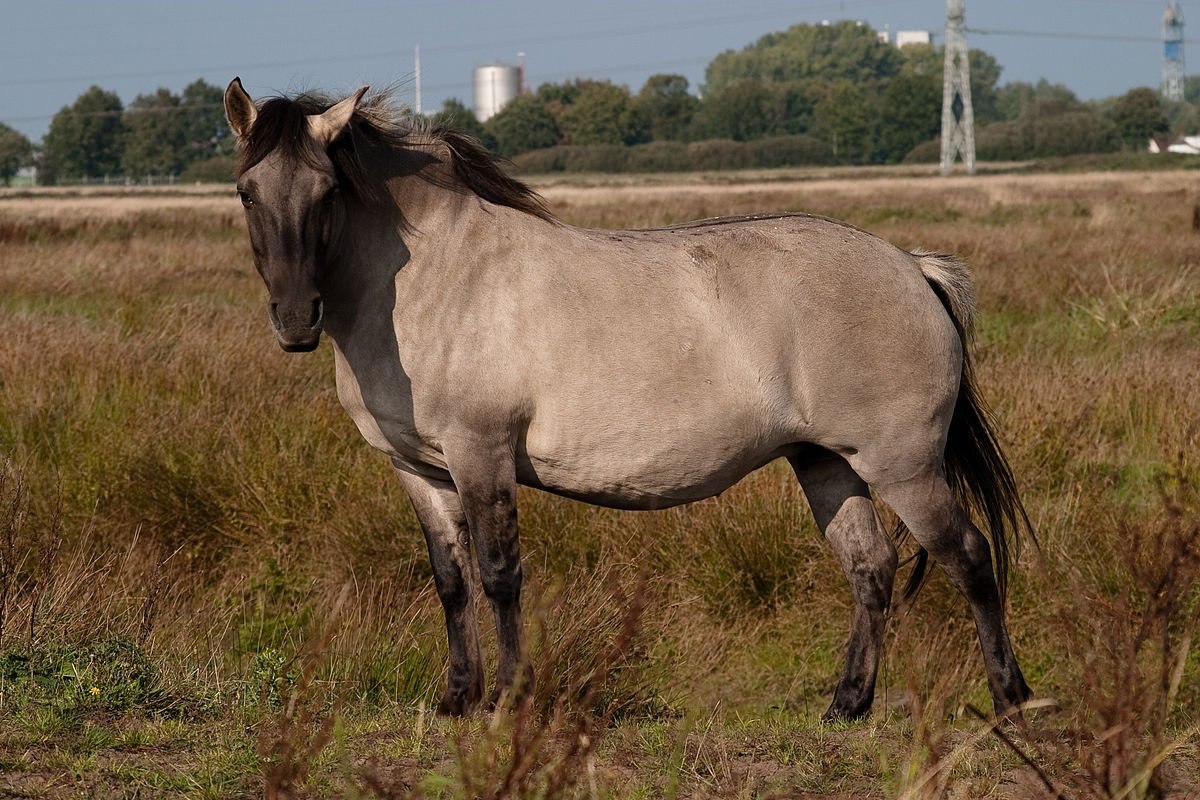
(455, 705)
(449, 708)
(838, 714)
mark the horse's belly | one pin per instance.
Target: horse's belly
(645, 472)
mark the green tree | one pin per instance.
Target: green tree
(155, 135)
(556, 97)
(844, 50)
(842, 117)
(742, 110)
(522, 125)
(205, 130)
(668, 106)
(603, 113)
(1184, 117)
(922, 59)
(1019, 98)
(928, 62)
(1191, 88)
(910, 113)
(15, 152)
(455, 114)
(1138, 115)
(793, 103)
(985, 75)
(85, 138)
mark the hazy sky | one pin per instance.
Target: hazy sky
(54, 50)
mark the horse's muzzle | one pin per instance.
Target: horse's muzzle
(297, 325)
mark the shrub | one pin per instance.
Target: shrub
(218, 169)
(1065, 134)
(595, 158)
(929, 152)
(718, 154)
(549, 159)
(788, 151)
(658, 157)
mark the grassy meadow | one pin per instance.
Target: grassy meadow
(210, 586)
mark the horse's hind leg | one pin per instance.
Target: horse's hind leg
(942, 526)
(841, 503)
(447, 536)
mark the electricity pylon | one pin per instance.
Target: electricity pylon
(1172, 67)
(958, 120)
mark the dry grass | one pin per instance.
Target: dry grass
(185, 512)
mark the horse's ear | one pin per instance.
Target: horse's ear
(328, 126)
(239, 109)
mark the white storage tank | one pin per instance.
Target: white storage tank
(495, 85)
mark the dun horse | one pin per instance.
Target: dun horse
(482, 344)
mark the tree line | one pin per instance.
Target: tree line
(158, 134)
(817, 94)
(809, 94)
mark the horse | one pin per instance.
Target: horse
(481, 343)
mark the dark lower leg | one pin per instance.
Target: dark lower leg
(1005, 680)
(841, 504)
(448, 540)
(855, 691)
(505, 598)
(944, 528)
(464, 688)
(498, 552)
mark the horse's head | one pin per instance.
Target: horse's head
(289, 188)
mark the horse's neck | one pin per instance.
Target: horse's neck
(416, 236)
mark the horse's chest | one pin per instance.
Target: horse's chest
(382, 412)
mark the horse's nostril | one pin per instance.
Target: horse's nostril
(318, 311)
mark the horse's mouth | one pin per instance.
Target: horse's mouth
(297, 331)
(299, 345)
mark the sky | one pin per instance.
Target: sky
(51, 51)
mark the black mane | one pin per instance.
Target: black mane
(379, 130)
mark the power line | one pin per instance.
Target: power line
(399, 53)
(1099, 37)
(540, 77)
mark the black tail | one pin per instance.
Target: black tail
(975, 466)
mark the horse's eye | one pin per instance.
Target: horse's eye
(246, 199)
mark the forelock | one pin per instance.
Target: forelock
(282, 127)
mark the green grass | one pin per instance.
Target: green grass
(190, 525)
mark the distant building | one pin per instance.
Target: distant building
(26, 176)
(1186, 145)
(495, 85)
(905, 38)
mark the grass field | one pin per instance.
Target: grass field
(211, 587)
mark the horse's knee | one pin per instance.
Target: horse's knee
(873, 576)
(450, 558)
(502, 578)
(867, 555)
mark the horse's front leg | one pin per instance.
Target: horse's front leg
(486, 481)
(447, 535)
